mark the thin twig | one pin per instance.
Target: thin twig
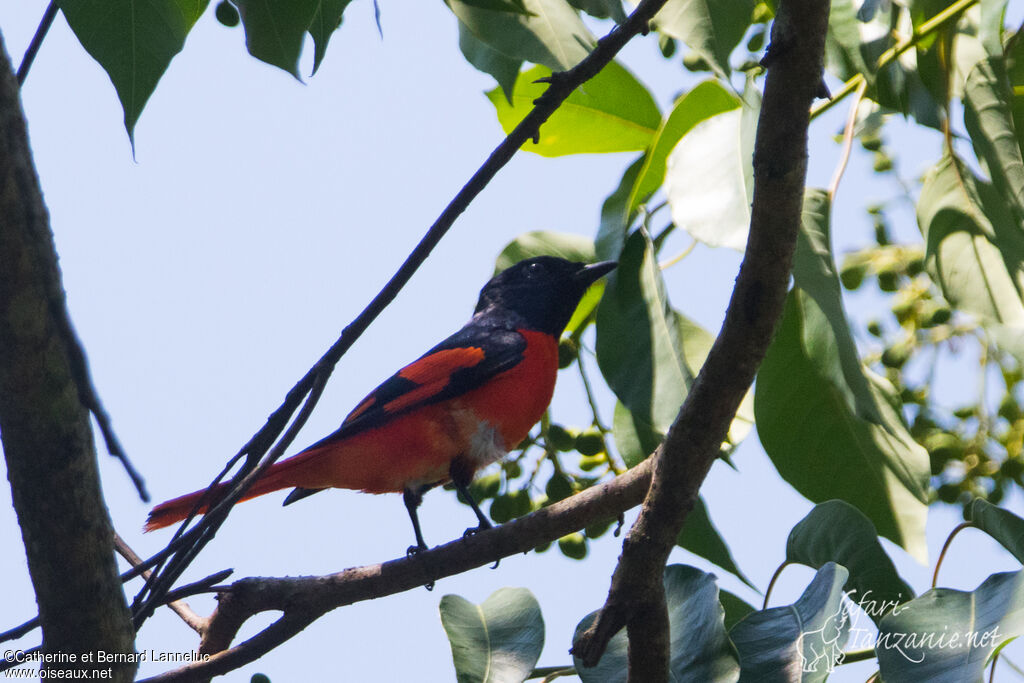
(37, 41)
(182, 609)
(844, 156)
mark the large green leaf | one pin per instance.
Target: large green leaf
(274, 30)
(616, 216)
(827, 335)
(325, 22)
(498, 641)
(700, 537)
(134, 41)
(504, 69)
(836, 531)
(842, 42)
(973, 245)
(711, 28)
(704, 101)
(700, 651)
(709, 181)
(989, 122)
(799, 642)
(601, 9)
(947, 636)
(823, 448)
(639, 349)
(545, 243)
(614, 112)
(551, 33)
(1015, 72)
(1002, 525)
(650, 353)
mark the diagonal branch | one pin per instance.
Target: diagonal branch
(636, 596)
(561, 86)
(305, 599)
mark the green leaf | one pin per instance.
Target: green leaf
(735, 607)
(823, 448)
(711, 28)
(973, 246)
(325, 22)
(697, 343)
(835, 531)
(700, 537)
(274, 30)
(777, 644)
(1002, 525)
(701, 103)
(134, 41)
(497, 641)
(639, 349)
(551, 34)
(601, 9)
(989, 122)
(616, 215)
(842, 42)
(710, 176)
(990, 28)
(699, 648)
(544, 243)
(946, 636)
(613, 112)
(828, 337)
(1015, 73)
(485, 58)
(514, 6)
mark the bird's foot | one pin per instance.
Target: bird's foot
(484, 526)
(413, 551)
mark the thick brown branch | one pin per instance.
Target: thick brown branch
(561, 86)
(692, 444)
(304, 599)
(44, 423)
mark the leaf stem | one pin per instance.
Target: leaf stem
(945, 546)
(771, 584)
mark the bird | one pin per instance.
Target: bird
(459, 407)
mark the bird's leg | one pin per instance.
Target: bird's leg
(412, 499)
(461, 477)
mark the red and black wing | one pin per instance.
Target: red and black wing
(462, 362)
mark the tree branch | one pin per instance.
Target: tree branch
(44, 423)
(561, 86)
(305, 599)
(794, 61)
(37, 41)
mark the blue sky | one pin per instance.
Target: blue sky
(257, 219)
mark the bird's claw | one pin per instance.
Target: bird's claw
(413, 551)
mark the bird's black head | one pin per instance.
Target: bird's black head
(543, 291)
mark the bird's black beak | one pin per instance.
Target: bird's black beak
(590, 274)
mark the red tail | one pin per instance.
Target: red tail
(281, 475)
